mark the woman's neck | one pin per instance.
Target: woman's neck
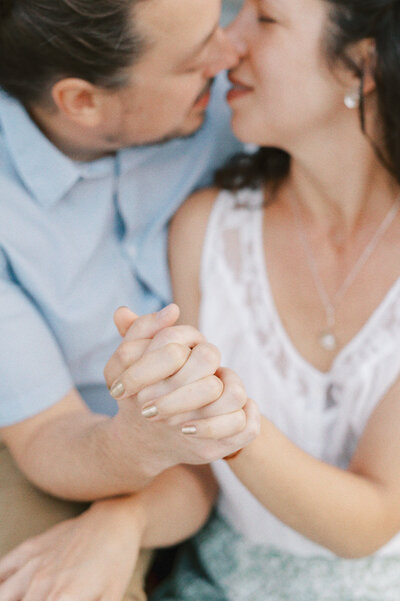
(341, 182)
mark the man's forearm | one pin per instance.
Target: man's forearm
(83, 457)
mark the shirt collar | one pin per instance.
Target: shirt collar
(46, 171)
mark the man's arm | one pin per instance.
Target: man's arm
(72, 453)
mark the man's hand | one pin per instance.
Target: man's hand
(88, 558)
(176, 401)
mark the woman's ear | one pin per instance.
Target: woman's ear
(367, 50)
(364, 56)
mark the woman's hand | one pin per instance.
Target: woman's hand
(88, 558)
(173, 395)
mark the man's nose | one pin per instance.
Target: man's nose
(225, 55)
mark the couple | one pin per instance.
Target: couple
(290, 266)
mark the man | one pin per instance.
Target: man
(103, 134)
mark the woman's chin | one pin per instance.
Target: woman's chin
(244, 130)
(258, 134)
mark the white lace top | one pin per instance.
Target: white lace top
(323, 413)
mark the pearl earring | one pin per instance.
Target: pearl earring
(352, 98)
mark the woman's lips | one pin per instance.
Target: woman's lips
(238, 90)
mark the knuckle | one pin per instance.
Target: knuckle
(238, 394)
(167, 336)
(177, 353)
(215, 386)
(209, 353)
(193, 334)
(241, 420)
(124, 353)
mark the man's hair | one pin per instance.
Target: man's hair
(44, 41)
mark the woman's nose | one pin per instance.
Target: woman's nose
(238, 31)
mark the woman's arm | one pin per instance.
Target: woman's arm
(173, 508)
(353, 513)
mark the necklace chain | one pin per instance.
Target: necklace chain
(327, 338)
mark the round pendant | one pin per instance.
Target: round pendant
(328, 341)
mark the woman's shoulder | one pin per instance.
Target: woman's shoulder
(190, 223)
(194, 214)
(197, 208)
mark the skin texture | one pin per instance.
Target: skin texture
(352, 512)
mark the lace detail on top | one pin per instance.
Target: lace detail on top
(323, 413)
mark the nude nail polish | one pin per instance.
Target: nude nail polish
(150, 411)
(117, 390)
(189, 430)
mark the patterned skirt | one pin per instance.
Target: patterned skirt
(218, 564)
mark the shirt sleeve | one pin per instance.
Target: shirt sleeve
(33, 373)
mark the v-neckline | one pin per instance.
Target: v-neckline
(266, 291)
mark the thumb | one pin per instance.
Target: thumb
(147, 326)
(123, 319)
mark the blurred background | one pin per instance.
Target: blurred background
(229, 9)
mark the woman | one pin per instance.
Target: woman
(299, 273)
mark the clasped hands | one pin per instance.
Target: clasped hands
(173, 396)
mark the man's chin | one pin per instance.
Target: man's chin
(183, 133)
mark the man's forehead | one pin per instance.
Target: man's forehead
(183, 22)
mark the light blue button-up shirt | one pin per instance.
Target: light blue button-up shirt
(77, 240)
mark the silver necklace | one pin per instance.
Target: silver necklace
(327, 338)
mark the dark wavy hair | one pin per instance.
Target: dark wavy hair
(43, 41)
(350, 21)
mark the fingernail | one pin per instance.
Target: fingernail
(150, 411)
(117, 389)
(189, 430)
